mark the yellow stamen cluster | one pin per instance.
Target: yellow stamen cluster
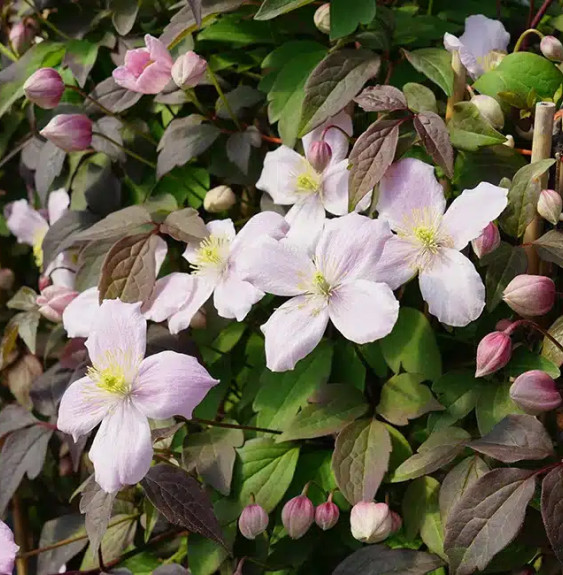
(427, 237)
(213, 251)
(322, 287)
(111, 379)
(38, 249)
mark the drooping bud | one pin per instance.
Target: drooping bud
(552, 48)
(327, 514)
(298, 515)
(490, 109)
(493, 353)
(53, 301)
(70, 132)
(397, 522)
(503, 324)
(219, 199)
(550, 206)
(488, 241)
(530, 295)
(371, 522)
(44, 88)
(535, 392)
(21, 35)
(253, 521)
(188, 70)
(320, 154)
(322, 18)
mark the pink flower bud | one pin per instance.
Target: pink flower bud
(44, 88)
(322, 18)
(535, 392)
(397, 522)
(493, 353)
(70, 132)
(298, 515)
(503, 324)
(530, 295)
(320, 154)
(188, 70)
(21, 35)
(326, 515)
(552, 48)
(549, 206)
(488, 241)
(371, 522)
(53, 301)
(253, 521)
(44, 281)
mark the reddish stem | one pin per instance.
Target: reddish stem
(540, 13)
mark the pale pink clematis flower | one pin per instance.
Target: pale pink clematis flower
(8, 550)
(178, 296)
(481, 46)
(53, 301)
(339, 283)
(122, 390)
(291, 179)
(145, 70)
(428, 241)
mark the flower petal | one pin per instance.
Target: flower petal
(169, 295)
(409, 185)
(153, 79)
(265, 223)
(483, 35)
(294, 330)
(363, 311)
(83, 406)
(276, 267)
(57, 204)
(397, 264)
(453, 44)
(333, 136)
(8, 549)
(170, 383)
(350, 247)
(122, 449)
(79, 314)
(124, 78)
(233, 297)
(306, 219)
(160, 253)
(452, 288)
(136, 60)
(158, 51)
(26, 223)
(335, 188)
(201, 290)
(472, 211)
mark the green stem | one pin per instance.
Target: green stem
(223, 98)
(524, 35)
(46, 22)
(8, 53)
(430, 6)
(195, 101)
(126, 150)
(234, 426)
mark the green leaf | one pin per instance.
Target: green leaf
(27, 323)
(550, 247)
(519, 73)
(435, 64)
(469, 130)
(334, 82)
(412, 345)
(420, 98)
(549, 350)
(124, 14)
(23, 300)
(118, 537)
(494, 405)
(231, 29)
(273, 8)
(80, 57)
(346, 16)
(523, 360)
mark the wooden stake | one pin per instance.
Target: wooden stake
(541, 150)
(459, 84)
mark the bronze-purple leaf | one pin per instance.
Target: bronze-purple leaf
(552, 509)
(381, 99)
(436, 140)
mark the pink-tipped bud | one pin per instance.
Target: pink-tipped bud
(21, 35)
(530, 295)
(44, 88)
(397, 522)
(320, 154)
(503, 324)
(253, 521)
(322, 18)
(552, 48)
(550, 206)
(371, 522)
(70, 132)
(298, 515)
(535, 392)
(326, 515)
(488, 241)
(53, 301)
(493, 353)
(188, 70)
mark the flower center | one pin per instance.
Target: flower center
(309, 181)
(427, 237)
(491, 60)
(111, 379)
(213, 252)
(321, 286)
(38, 248)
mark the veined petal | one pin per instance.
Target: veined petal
(122, 449)
(363, 311)
(333, 136)
(397, 264)
(275, 267)
(8, 549)
(169, 295)
(26, 223)
(452, 288)
(83, 406)
(57, 204)
(118, 337)
(170, 383)
(306, 219)
(233, 297)
(158, 51)
(265, 223)
(335, 188)
(202, 289)
(79, 314)
(409, 186)
(294, 330)
(350, 248)
(483, 35)
(471, 212)
(125, 78)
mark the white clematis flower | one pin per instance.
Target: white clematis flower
(8, 550)
(339, 283)
(429, 238)
(122, 389)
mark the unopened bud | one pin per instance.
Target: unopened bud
(397, 522)
(371, 522)
(253, 521)
(552, 48)
(322, 18)
(298, 515)
(493, 353)
(219, 199)
(320, 154)
(535, 392)
(490, 109)
(509, 142)
(550, 206)
(188, 70)
(70, 132)
(53, 301)
(488, 241)
(326, 515)
(21, 35)
(44, 88)
(530, 295)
